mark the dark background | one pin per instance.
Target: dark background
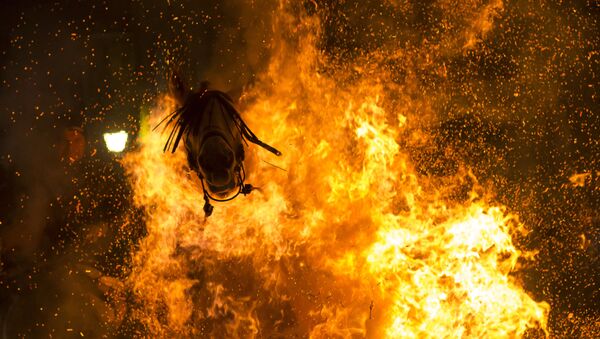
(72, 70)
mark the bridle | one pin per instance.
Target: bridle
(187, 119)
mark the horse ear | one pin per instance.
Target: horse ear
(177, 87)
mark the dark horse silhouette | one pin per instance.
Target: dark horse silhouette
(214, 136)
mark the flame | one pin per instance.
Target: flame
(345, 237)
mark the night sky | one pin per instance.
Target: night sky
(73, 70)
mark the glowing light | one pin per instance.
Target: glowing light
(116, 142)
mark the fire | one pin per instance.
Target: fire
(345, 237)
(456, 286)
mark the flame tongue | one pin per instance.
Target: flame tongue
(347, 240)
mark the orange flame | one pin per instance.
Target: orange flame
(347, 240)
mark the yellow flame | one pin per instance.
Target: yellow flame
(348, 240)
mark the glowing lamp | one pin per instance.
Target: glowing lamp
(115, 142)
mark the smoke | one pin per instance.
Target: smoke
(243, 44)
(55, 173)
